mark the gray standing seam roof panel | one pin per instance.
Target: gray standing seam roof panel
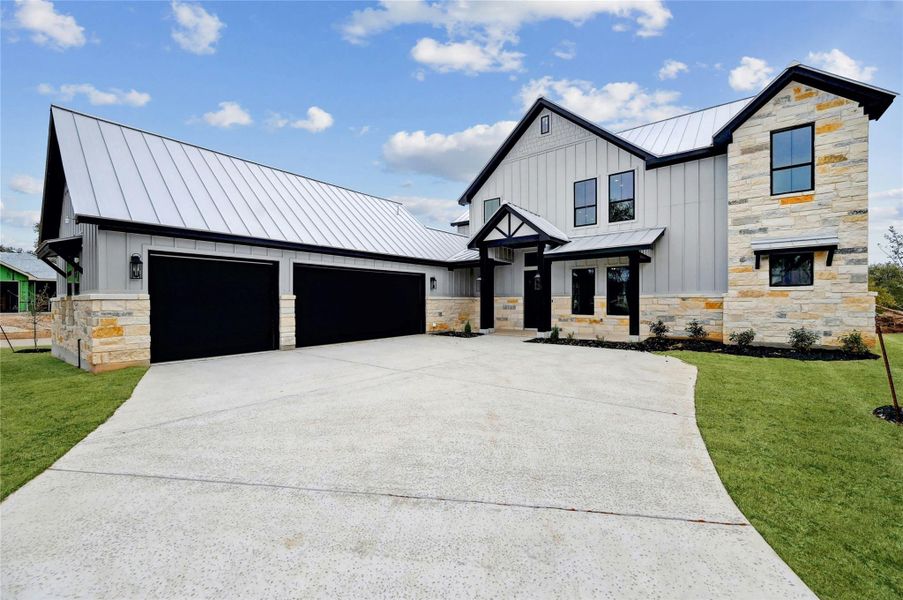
(123, 174)
(610, 241)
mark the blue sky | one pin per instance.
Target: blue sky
(408, 100)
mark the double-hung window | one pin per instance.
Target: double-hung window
(790, 269)
(791, 160)
(585, 202)
(620, 197)
(489, 207)
(617, 301)
(583, 290)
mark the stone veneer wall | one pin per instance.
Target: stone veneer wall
(114, 330)
(509, 312)
(19, 326)
(839, 300)
(286, 321)
(675, 311)
(451, 314)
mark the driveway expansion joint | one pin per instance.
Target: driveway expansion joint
(416, 497)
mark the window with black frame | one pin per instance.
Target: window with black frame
(583, 291)
(618, 279)
(544, 127)
(620, 197)
(789, 270)
(489, 207)
(585, 202)
(791, 160)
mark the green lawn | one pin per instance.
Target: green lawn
(802, 456)
(48, 406)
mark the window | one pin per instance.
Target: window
(787, 270)
(9, 296)
(618, 280)
(583, 289)
(585, 202)
(791, 160)
(544, 124)
(531, 259)
(489, 207)
(620, 197)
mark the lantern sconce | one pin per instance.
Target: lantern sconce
(433, 283)
(537, 282)
(135, 267)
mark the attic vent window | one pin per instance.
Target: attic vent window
(544, 124)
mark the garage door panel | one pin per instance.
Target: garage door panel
(335, 305)
(211, 307)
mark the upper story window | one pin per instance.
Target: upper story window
(585, 202)
(544, 125)
(620, 197)
(791, 160)
(489, 207)
(583, 289)
(788, 270)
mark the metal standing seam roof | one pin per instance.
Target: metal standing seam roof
(610, 241)
(800, 241)
(463, 219)
(124, 174)
(28, 264)
(683, 133)
(540, 222)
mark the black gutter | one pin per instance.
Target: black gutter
(602, 253)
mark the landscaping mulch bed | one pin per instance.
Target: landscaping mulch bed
(663, 344)
(458, 334)
(888, 413)
(30, 350)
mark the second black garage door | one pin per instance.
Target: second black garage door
(342, 305)
(210, 307)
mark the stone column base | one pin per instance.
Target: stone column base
(286, 321)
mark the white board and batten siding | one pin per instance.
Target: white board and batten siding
(688, 199)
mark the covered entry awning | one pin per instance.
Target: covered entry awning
(619, 243)
(516, 227)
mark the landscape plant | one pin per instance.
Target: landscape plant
(658, 329)
(555, 333)
(802, 339)
(695, 330)
(853, 343)
(744, 337)
(467, 328)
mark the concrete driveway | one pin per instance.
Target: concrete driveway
(417, 467)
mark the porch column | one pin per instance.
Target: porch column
(487, 291)
(633, 293)
(544, 310)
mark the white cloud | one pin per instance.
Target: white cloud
(317, 120)
(198, 31)
(479, 32)
(885, 209)
(620, 27)
(229, 114)
(26, 184)
(97, 97)
(48, 27)
(671, 69)
(566, 50)
(432, 211)
(419, 75)
(455, 156)
(18, 218)
(618, 105)
(752, 74)
(468, 57)
(839, 63)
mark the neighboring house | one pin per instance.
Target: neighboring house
(23, 277)
(749, 214)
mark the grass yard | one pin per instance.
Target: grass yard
(819, 477)
(48, 406)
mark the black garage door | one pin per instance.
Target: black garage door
(210, 307)
(342, 305)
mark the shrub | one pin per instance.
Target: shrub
(742, 338)
(467, 328)
(555, 334)
(570, 335)
(853, 343)
(695, 330)
(658, 329)
(802, 339)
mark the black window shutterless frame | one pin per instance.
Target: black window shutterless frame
(791, 269)
(794, 165)
(623, 207)
(584, 207)
(583, 291)
(544, 124)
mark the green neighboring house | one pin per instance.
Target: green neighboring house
(22, 275)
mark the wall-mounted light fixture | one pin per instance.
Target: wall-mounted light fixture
(433, 283)
(135, 267)
(537, 282)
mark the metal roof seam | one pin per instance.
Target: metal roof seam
(141, 177)
(226, 194)
(266, 202)
(162, 179)
(288, 200)
(273, 198)
(206, 190)
(338, 238)
(182, 178)
(87, 170)
(298, 201)
(348, 216)
(106, 148)
(245, 190)
(323, 224)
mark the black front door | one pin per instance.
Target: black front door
(531, 300)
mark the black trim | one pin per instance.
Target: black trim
(226, 238)
(574, 289)
(487, 290)
(673, 159)
(632, 199)
(524, 124)
(829, 248)
(872, 100)
(595, 180)
(68, 248)
(809, 253)
(487, 217)
(545, 124)
(811, 162)
(506, 210)
(605, 253)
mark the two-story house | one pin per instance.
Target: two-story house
(752, 214)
